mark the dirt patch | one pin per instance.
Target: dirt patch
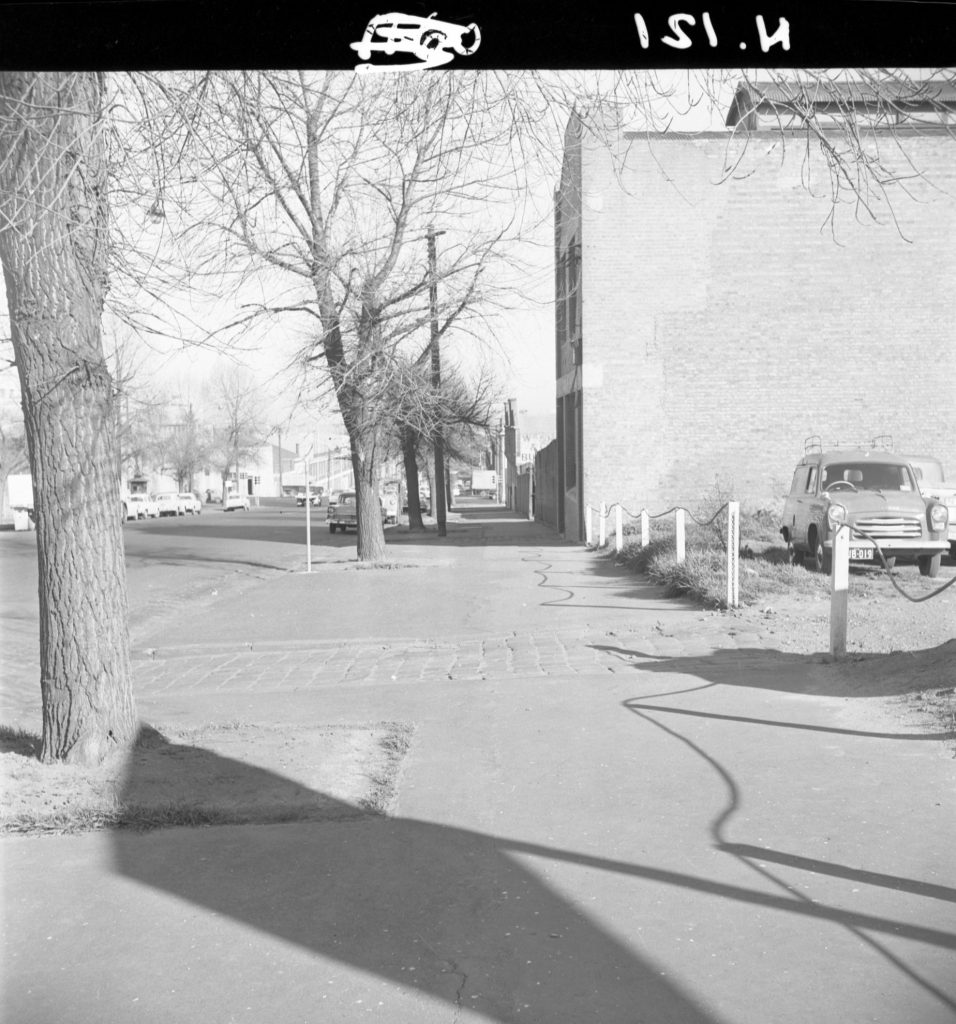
(235, 774)
(900, 652)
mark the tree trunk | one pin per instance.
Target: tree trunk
(370, 542)
(409, 445)
(53, 246)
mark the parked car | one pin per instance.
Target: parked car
(140, 506)
(932, 484)
(191, 503)
(169, 504)
(314, 499)
(390, 503)
(343, 514)
(873, 490)
(235, 502)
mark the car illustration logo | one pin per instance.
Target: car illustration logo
(432, 42)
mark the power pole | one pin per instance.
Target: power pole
(439, 488)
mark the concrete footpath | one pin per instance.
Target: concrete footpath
(615, 808)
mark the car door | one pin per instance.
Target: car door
(804, 500)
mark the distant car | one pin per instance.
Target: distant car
(191, 503)
(390, 502)
(314, 499)
(234, 502)
(872, 491)
(169, 504)
(140, 506)
(932, 484)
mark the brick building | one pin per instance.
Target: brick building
(711, 314)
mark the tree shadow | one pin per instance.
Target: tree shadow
(447, 912)
(454, 914)
(870, 675)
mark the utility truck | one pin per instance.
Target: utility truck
(484, 481)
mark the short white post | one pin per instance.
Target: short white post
(619, 530)
(839, 589)
(308, 520)
(733, 554)
(679, 529)
(602, 526)
(645, 528)
(588, 531)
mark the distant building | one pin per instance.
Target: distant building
(708, 319)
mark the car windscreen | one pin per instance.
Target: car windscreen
(868, 476)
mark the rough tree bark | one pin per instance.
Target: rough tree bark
(53, 246)
(409, 445)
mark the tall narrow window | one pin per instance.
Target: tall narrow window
(572, 265)
(570, 443)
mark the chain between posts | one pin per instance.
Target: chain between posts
(679, 511)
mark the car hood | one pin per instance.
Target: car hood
(879, 502)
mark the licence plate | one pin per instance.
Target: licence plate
(861, 554)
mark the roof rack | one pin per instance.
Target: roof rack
(814, 443)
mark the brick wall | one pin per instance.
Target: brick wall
(724, 322)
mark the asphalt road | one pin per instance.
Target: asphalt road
(174, 560)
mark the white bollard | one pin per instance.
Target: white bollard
(839, 590)
(679, 529)
(733, 554)
(645, 528)
(602, 526)
(588, 530)
(619, 530)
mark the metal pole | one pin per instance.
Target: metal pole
(308, 520)
(280, 461)
(679, 530)
(439, 496)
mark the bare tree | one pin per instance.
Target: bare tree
(238, 425)
(182, 448)
(456, 410)
(54, 246)
(318, 189)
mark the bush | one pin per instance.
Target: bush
(764, 565)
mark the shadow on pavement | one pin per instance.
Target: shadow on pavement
(448, 912)
(444, 911)
(874, 675)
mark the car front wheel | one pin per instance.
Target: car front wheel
(929, 564)
(820, 559)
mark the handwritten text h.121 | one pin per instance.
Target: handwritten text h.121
(679, 24)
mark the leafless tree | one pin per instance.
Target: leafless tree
(183, 447)
(318, 189)
(236, 419)
(53, 246)
(457, 411)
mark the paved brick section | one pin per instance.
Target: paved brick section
(500, 597)
(277, 668)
